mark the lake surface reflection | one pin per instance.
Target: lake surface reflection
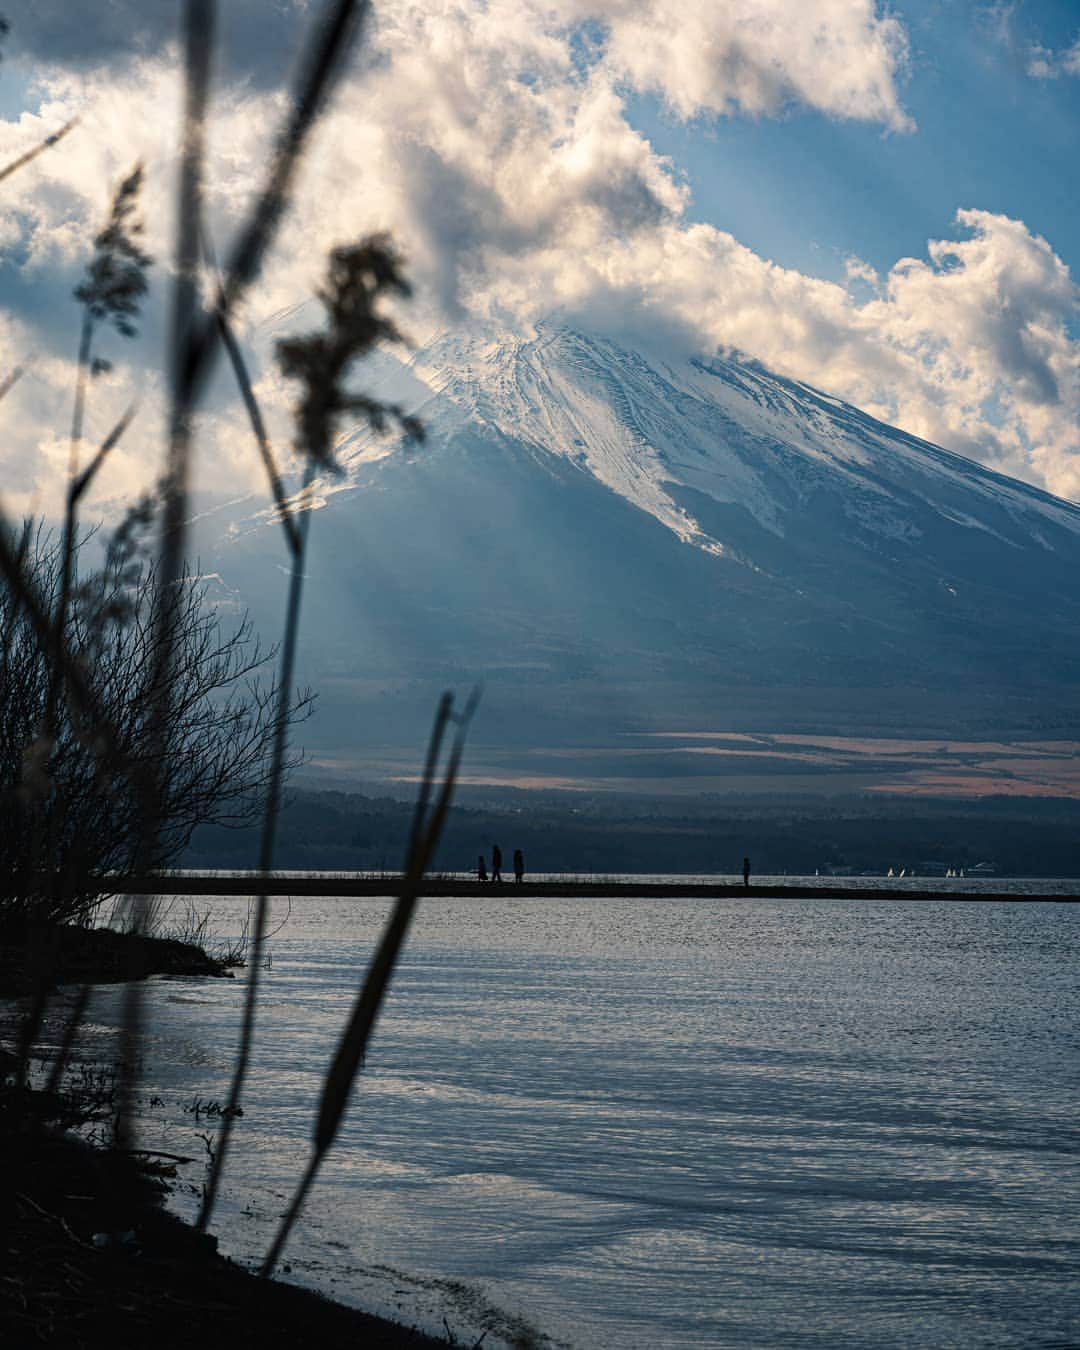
(671, 1123)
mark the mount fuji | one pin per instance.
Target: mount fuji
(620, 543)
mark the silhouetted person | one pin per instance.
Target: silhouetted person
(481, 869)
(496, 863)
(746, 871)
(519, 865)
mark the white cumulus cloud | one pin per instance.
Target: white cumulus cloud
(493, 139)
(757, 57)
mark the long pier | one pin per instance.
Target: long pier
(313, 884)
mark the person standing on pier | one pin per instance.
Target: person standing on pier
(496, 863)
(519, 865)
(746, 871)
(481, 869)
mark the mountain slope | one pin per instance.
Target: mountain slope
(727, 430)
(621, 542)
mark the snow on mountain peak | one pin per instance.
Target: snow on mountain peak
(662, 431)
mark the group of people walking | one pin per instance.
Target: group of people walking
(496, 865)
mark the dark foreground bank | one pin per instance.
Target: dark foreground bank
(91, 1260)
(89, 1256)
(55, 954)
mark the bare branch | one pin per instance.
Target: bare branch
(90, 714)
(213, 761)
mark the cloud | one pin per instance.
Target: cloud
(493, 140)
(969, 348)
(857, 270)
(1046, 64)
(758, 57)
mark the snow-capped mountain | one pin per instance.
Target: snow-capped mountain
(728, 431)
(616, 539)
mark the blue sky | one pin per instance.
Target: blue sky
(778, 177)
(806, 190)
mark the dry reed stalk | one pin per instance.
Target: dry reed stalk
(63, 1052)
(114, 284)
(10, 381)
(83, 480)
(30, 155)
(194, 342)
(199, 19)
(351, 1049)
(78, 483)
(77, 486)
(358, 277)
(319, 70)
(258, 426)
(298, 543)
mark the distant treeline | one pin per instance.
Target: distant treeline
(332, 831)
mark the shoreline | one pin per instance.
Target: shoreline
(357, 886)
(69, 954)
(93, 1257)
(94, 1260)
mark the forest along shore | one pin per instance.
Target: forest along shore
(91, 1259)
(298, 884)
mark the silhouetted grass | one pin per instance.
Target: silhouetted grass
(337, 1085)
(31, 155)
(360, 275)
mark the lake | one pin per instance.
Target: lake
(678, 1123)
